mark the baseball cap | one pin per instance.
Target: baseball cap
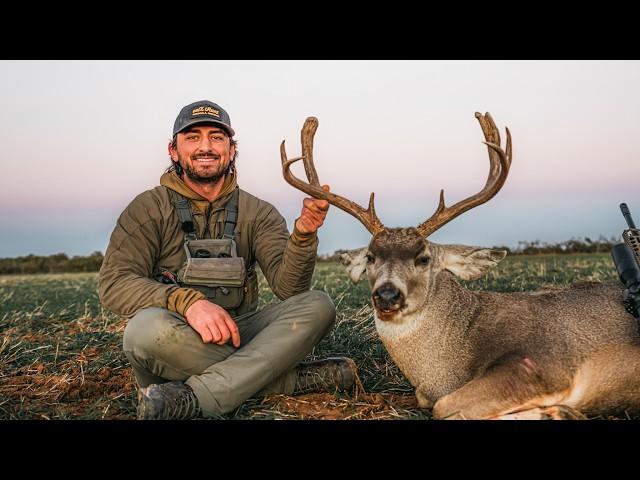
(203, 111)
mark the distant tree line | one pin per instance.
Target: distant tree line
(60, 262)
(57, 263)
(586, 245)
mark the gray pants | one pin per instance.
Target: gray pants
(162, 347)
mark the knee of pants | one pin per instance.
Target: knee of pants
(324, 310)
(149, 331)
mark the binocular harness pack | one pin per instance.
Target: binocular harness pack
(212, 266)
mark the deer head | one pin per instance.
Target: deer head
(402, 265)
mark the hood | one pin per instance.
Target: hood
(174, 182)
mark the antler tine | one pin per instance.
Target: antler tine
(306, 139)
(492, 134)
(500, 162)
(367, 217)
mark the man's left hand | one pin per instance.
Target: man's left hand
(313, 214)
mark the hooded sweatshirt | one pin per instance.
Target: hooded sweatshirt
(148, 236)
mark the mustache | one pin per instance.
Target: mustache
(213, 156)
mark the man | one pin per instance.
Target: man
(192, 357)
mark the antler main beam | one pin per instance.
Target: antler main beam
(368, 217)
(500, 162)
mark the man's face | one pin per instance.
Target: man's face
(204, 152)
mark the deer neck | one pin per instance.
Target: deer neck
(450, 303)
(432, 346)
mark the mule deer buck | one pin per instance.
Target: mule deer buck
(554, 353)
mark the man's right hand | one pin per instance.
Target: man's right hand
(213, 323)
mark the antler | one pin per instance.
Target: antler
(367, 217)
(498, 171)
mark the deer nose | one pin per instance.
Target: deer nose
(388, 297)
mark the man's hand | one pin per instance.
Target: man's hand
(313, 214)
(213, 323)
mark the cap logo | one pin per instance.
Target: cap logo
(205, 111)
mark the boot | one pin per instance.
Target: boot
(167, 401)
(330, 375)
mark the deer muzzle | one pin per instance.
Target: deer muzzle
(388, 300)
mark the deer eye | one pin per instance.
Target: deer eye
(423, 261)
(370, 258)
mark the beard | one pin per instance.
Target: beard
(208, 174)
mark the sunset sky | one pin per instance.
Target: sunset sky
(80, 139)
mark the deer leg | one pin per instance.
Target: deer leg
(608, 382)
(514, 383)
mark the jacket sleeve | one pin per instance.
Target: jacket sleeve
(287, 261)
(125, 283)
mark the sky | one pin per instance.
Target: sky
(81, 139)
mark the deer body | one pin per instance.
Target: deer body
(478, 354)
(461, 333)
(552, 353)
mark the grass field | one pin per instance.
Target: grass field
(61, 355)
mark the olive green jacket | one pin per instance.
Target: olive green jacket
(148, 235)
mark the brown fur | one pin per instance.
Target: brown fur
(478, 354)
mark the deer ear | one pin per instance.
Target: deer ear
(355, 262)
(470, 263)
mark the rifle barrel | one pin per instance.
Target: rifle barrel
(627, 215)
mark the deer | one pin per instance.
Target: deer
(569, 352)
